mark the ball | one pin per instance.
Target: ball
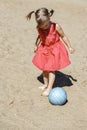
(57, 96)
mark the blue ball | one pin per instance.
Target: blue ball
(57, 96)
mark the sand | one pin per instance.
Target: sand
(21, 105)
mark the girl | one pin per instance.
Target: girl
(50, 51)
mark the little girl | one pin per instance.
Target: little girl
(50, 51)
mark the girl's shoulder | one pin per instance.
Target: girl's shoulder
(55, 24)
(37, 28)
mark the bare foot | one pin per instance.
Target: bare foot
(46, 92)
(43, 87)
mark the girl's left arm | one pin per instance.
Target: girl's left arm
(64, 38)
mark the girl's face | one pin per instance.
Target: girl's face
(46, 22)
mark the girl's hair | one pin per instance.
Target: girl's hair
(39, 13)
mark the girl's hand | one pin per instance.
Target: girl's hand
(71, 50)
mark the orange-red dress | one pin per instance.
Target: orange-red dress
(51, 54)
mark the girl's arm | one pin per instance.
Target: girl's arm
(37, 40)
(37, 43)
(64, 38)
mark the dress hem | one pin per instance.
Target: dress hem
(53, 69)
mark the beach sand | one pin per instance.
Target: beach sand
(21, 105)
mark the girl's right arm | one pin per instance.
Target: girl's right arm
(37, 43)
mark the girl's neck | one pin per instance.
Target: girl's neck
(47, 27)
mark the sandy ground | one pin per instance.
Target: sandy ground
(21, 105)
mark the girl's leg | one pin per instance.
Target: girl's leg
(50, 84)
(45, 78)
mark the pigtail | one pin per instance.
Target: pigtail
(51, 12)
(29, 15)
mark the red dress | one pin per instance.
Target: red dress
(51, 54)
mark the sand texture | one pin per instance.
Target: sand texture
(21, 105)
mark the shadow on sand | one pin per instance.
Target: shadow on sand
(61, 79)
